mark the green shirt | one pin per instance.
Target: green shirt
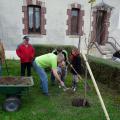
(47, 61)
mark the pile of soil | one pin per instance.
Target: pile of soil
(15, 81)
(79, 102)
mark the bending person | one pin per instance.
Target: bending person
(49, 60)
(62, 70)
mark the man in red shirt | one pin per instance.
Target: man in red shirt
(26, 53)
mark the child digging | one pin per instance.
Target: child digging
(75, 66)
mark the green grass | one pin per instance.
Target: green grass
(36, 106)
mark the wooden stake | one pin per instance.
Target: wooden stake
(96, 87)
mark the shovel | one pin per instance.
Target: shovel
(79, 77)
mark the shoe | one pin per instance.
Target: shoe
(74, 88)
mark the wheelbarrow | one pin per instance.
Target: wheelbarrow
(13, 88)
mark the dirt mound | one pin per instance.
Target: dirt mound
(15, 81)
(79, 102)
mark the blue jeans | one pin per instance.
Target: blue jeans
(43, 77)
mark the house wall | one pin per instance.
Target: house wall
(56, 23)
(114, 29)
(11, 23)
(11, 30)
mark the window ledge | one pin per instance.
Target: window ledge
(35, 35)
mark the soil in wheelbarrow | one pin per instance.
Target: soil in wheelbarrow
(15, 81)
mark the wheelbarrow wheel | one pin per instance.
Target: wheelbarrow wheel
(11, 104)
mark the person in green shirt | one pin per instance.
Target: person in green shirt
(49, 60)
(62, 71)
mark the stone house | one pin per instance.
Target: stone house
(61, 22)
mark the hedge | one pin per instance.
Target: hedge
(43, 49)
(106, 71)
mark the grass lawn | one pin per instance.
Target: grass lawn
(36, 106)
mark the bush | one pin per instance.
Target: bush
(106, 71)
(43, 49)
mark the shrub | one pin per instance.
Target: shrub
(106, 71)
(43, 49)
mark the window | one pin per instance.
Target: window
(34, 19)
(75, 21)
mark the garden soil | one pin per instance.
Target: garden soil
(14, 81)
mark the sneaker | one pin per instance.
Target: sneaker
(59, 86)
(74, 88)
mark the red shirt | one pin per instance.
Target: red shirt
(25, 53)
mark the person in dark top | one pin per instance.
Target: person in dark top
(76, 64)
(116, 56)
(62, 71)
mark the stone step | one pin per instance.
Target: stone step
(109, 55)
(107, 52)
(106, 57)
(105, 49)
